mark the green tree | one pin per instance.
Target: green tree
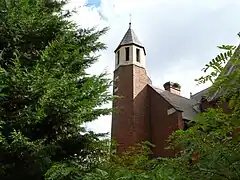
(46, 94)
(133, 164)
(137, 164)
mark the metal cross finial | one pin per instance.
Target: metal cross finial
(130, 20)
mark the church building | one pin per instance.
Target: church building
(144, 112)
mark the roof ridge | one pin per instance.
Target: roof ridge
(201, 91)
(172, 93)
(166, 98)
(180, 103)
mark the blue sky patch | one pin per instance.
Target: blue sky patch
(95, 3)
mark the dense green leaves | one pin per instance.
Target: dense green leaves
(46, 94)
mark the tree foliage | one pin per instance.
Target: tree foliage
(46, 94)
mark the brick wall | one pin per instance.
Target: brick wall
(141, 113)
(130, 122)
(122, 124)
(141, 104)
(162, 124)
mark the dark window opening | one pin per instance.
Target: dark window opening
(202, 108)
(127, 53)
(118, 56)
(187, 124)
(138, 55)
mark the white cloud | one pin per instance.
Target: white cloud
(179, 36)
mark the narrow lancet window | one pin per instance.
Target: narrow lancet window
(138, 54)
(127, 53)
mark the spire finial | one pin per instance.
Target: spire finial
(130, 20)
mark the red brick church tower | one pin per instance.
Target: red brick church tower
(147, 113)
(130, 123)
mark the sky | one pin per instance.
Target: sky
(180, 37)
(95, 3)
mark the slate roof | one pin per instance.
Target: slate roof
(130, 38)
(198, 96)
(189, 107)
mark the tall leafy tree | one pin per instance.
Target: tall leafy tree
(46, 94)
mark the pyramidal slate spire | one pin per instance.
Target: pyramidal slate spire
(130, 38)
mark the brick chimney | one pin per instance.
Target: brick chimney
(172, 87)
